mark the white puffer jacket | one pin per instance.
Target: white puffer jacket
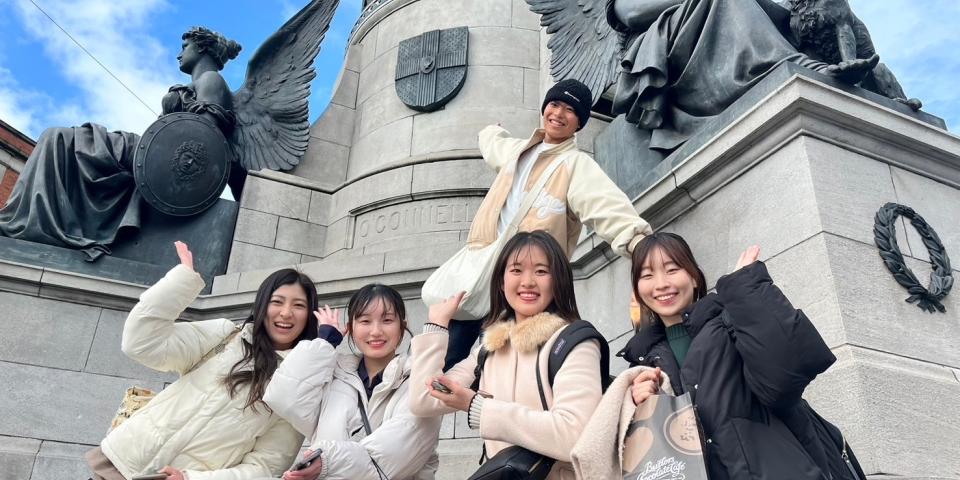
(318, 391)
(193, 425)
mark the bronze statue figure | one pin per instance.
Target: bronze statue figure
(77, 189)
(677, 64)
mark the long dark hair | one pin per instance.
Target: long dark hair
(675, 247)
(373, 292)
(261, 352)
(564, 304)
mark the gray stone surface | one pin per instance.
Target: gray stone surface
(280, 199)
(245, 257)
(938, 204)
(381, 108)
(17, 456)
(65, 406)
(452, 175)
(459, 458)
(324, 163)
(396, 222)
(522, 17)
(444, 130)
(256, 227)
(345, 89)
(503, 46)
(105, 357)
(446, 425)
(358, 266)
(335, 125)
(604, 298)
(461, 428)
(413, 241)
(225, 283)
(339, 235)
(20, 278)
(390, 184)
(301, 237)
(850, 188)
(57, 461)
(388, 144)
(46, 332)
(319, 208)
(875, 314)
(437, 14)
(531, 89)
(749, 211)
(378, 75)
(896, 412)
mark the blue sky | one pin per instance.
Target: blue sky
(45, 80)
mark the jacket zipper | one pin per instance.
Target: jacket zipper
(846, 458)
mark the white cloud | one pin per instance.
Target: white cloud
(113, 32)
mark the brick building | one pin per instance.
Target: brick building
(15, 147)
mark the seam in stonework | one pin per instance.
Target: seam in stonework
(93, 339)
(903, 223)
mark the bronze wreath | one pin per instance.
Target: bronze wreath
(941, 279)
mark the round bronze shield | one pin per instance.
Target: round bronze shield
(182, 164)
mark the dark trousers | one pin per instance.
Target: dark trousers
(463, 334)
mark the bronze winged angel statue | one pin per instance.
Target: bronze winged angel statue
(678, 63)
(78, 190)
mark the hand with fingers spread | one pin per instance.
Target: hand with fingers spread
(748, 256)
(459, 396)
(441, 313)
(328, 316)
(646, 385)
(186, 256)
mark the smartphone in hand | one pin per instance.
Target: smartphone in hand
(440, 387)
(150, 476)
(306, 462)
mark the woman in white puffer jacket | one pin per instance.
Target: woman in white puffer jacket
(210, 424)
(359, 416)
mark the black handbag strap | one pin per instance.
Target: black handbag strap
(366, 428)
(543, 397)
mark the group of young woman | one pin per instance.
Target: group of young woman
(371, 412)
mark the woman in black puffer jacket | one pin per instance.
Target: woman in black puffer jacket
(745, 355)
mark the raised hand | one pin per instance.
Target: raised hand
(328, 316)
(441, 313)
(748, 256)
(645, 385)
(186, 257)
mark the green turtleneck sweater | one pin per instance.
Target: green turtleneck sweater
(679, 342)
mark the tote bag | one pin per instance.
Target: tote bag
(471, 270)
(663, 441)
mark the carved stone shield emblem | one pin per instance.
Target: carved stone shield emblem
(182, 164)
(431, 68)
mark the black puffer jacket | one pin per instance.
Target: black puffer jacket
(751, 357)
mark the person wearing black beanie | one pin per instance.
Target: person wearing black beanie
(573, 93)
(578, 193)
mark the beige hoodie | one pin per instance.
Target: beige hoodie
(514, 415)
(579, 193)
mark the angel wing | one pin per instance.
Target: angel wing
(583, 45)
(272, 128)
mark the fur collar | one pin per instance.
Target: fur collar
(527, 336)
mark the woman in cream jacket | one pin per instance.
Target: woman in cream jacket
(210, 424)
(533, 301)
(326, 396)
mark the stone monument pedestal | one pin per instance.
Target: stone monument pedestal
(802, 172)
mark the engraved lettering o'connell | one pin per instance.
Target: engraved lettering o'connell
(189, 161)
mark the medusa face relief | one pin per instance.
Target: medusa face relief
(189, 161)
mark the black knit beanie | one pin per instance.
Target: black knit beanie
(573, 93)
